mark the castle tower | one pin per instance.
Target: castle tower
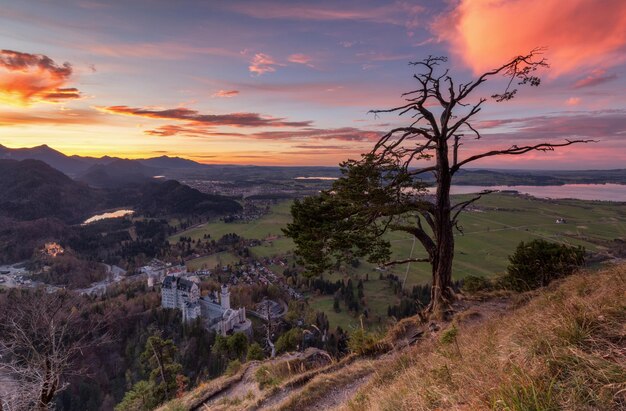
(225, 297)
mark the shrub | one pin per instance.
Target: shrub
(363, 342)
(266, 378)
(233, 367)
(289, 341)
(255, 352)
(536, 263)
(473, 284)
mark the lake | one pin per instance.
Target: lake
(316, 178)
(602, 192)
(110, 214)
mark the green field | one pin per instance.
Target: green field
(490, 235)
(210, 261)
(267, 226)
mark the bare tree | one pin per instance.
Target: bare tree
(441, 119)
(384, 190)
(42, 337)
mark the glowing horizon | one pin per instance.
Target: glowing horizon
(290, 83)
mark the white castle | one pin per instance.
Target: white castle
(184, 295)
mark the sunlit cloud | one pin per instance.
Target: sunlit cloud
(601, 125)
(573, 101)
(320, 147)
(169, 130)
(343, 133)
(300, 59)
(29, 78)
(577, 33)
(226, 93)
(347, 134)
(195, 117)
(50, 117)
(594, 78)
(262, 63)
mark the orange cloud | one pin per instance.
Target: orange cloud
(573, 101)
(577, 33)
(28, 78)
(348, 134)
(343, 134)
(226, 93)
(55, 117)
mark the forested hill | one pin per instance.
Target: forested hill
(539, 177)
(171, 197)
(31, 189)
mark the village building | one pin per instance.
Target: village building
(52, 249)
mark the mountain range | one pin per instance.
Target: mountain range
(108, 172)
(77, 166)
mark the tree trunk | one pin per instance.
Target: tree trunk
(441, 292)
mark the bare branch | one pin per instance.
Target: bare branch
(516, 150)
(408, 260)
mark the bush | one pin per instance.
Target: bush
(363, 342)
(266, 378)
(538, 262)
(473, 284)
(233, 367)
(255, 352)
(289, 341)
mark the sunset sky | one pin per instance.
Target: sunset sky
(291, 83)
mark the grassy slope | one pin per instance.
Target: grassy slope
(554, 349)
(489, 237)
(564, 349)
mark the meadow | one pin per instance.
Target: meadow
(491, 231)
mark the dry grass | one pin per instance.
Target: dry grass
(324, 384)
(206, 390)
(563, 349)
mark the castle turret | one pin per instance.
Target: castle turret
(225, 297)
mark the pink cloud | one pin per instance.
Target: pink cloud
(194, 117)
(594, 78)
(262, 63)
(343, 134)
(300, 59)
(347, 134)
(226, 93)
(577, 33)
(572, 101)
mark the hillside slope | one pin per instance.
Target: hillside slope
(563, 347)
(31, 189)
